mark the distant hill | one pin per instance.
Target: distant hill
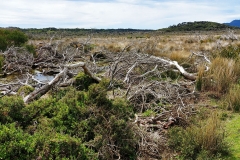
(196, 26)
(234, 23)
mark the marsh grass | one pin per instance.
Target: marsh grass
(205, 139)
(199, 81)
(232, 98)
(220, 76)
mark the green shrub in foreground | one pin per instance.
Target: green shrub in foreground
(16, 144)
(10, 109)
(69, 124)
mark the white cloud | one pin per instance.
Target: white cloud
(150, 14)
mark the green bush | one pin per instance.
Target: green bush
(63, 125)
(83, 81)
(11, 37)
(10, 109)
(16, 144)
(1, 62)
(25, 90)
(97, 93)
(230, 51)
(31, 49)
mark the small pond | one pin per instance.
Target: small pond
(42, 77)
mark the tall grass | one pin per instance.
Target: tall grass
(179, 56)
(205, 139)
(199, 82)
(221, 75)
(232, 99)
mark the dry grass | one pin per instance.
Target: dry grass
(179, 56)
(209, 135)
(221, 75)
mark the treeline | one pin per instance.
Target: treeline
(71, 32)
(197, 26)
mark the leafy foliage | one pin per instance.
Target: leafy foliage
(31, 49)
(10, 109)
(69, 124)
(25, 90)
(83, 81)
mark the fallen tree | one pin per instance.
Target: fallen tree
(61, 76)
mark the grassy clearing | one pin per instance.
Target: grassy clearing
(233, 137)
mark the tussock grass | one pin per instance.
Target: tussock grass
(199, 81)
(179, 56)
(221, 75)
(205, 139)
(232, 98)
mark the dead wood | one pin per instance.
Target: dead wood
(61, 76)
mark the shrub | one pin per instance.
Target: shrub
(113, 128)
(88, 47)
(97, 93)
(148, 113)
(230, 51)
(60, 146)
(25, 90)
(58, 127)
(9, 37)
(16, 144)
(10, 109)
(31, 49)
(83, 81)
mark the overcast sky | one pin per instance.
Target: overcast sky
(106, 14)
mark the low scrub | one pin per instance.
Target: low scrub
(230, 51)
(68, 124)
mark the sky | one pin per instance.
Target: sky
(113, 14)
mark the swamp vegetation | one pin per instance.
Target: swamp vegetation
(124, 95)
